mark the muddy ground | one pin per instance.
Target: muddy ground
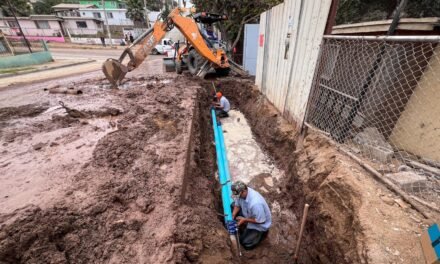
(130, 178)
(119, 183)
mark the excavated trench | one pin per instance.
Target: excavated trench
(150, 195)
(332, 232)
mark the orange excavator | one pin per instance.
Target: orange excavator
(198, 53)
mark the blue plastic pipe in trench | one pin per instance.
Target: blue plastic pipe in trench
(223, 171)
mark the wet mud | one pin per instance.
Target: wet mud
(145, 195)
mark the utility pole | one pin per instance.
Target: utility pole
(147, 20)
(11, 8)
(109, 34)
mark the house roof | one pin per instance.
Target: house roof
(34, 18)
(412, 24)
(82, 18)
(44, 17)
(71, 6)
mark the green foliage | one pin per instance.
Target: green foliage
(21, 7)
(238, 12)
(354, 11)
(45, 6)
(155, 5)
(135, 10)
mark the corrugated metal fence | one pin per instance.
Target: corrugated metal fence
(289, 42)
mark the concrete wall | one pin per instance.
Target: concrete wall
(418, 128)
(30, 29)
(287, 57)
(92, 27)
(47, 39)
(94, 41)
(119, 16)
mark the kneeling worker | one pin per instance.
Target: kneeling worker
(252, 214)
(222, 106)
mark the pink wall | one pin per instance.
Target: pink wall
(30, 30)
(48, 39)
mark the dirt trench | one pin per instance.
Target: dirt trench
(332, 233)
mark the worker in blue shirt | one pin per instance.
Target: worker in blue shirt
(252, 214)
(221, 105)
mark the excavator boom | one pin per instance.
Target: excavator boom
(138, 51)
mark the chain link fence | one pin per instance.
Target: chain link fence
(380, 98)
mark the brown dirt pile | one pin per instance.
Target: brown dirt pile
(30, 110)
(146, 196)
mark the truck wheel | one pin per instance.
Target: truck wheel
(179, 67)
(155, 52)
(195, 61)
(222, 71)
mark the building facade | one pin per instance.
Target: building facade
(113, 4)
(35, 27)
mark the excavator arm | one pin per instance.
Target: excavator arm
(138, 51)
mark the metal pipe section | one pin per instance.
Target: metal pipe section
(387, 38)
(223, 169)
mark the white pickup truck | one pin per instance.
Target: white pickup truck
(163, 47)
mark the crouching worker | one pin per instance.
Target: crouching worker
(222, 105)
(252, 214)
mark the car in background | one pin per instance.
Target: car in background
(164, 46)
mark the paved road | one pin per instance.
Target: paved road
(74, 55)
(93, 54)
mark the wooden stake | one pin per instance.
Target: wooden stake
(303, 223)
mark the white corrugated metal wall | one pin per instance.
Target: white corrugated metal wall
(289, 42)
(250, 48)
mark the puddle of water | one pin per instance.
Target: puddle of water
(130, 84)
(246, 159)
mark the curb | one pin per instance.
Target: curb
(47, 69)
(85, 47)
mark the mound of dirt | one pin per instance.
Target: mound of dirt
(146, 196)
(30, 110)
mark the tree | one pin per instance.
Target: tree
(135, 11)
(354, 11)
(238, 12)
(21, 7)
(45, 6)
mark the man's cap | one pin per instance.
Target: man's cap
(237, 187)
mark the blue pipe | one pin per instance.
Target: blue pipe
(227, 182)
(223, 169)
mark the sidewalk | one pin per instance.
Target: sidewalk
(36, 73)
(60, 63)
(55, 45)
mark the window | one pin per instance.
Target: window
(84, 13)
(96, 15)
(81, 24)
(12, 24)
(110, 14)
(42, 24)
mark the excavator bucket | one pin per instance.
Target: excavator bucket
(114, 71)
